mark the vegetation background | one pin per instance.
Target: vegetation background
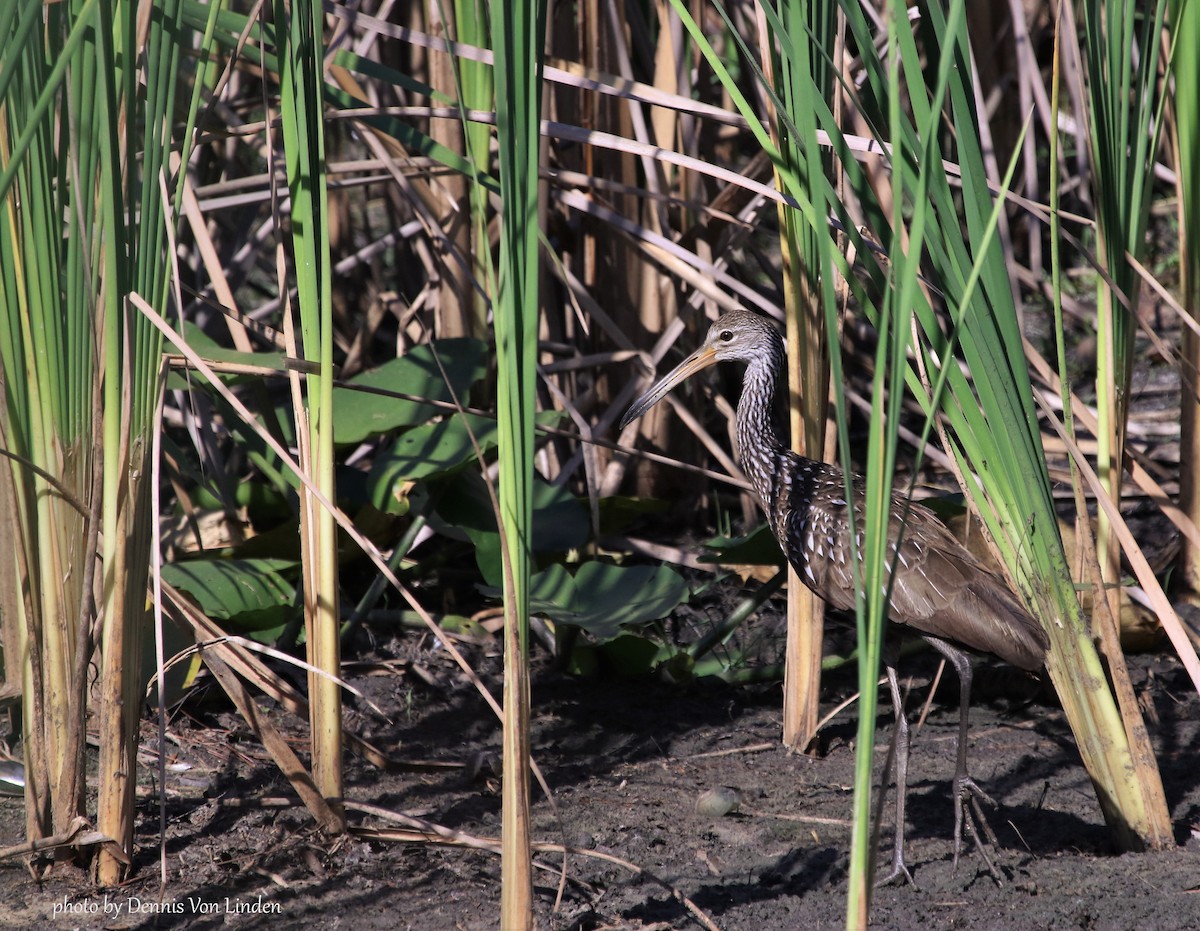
(317, 320)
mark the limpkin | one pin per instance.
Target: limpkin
(940, 591)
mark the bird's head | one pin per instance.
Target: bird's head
(738, 336)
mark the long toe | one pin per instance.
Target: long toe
(898, 872)
(968, 813)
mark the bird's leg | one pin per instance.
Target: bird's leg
(898, 869)
(967, 793)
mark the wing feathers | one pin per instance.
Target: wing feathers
(940, 588)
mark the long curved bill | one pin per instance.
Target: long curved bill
(702, 358)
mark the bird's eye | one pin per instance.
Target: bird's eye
(726, 336)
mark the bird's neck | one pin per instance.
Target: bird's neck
(760, 450)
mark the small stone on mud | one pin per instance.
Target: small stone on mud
(718, 802)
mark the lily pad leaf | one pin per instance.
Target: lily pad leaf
(603, 599)
(430, 451)
(426, 451)
(757, 548)
(249, 596)
(358, 414)
(212, 351)
(559, 521)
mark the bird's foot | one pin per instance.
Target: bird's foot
(899, 872)
(968, 813)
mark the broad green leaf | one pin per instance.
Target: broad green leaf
(261, 500)
(559, 521)
(210, 349)
(603, 599)
(360, 414)
(433, 450)
(247, 595)
(427, 451)
(630, 656)
(757, 548)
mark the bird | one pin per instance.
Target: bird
(940, 591)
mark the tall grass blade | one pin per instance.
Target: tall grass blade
(89, 99)
(795, 57)
(518, 30)
(132, 119)
(1185, 27)
(301, 61)
(1121, 42)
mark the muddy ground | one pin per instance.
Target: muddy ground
(627, 762)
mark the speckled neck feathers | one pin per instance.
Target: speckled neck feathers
(780, 477)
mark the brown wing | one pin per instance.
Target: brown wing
(939, 589)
